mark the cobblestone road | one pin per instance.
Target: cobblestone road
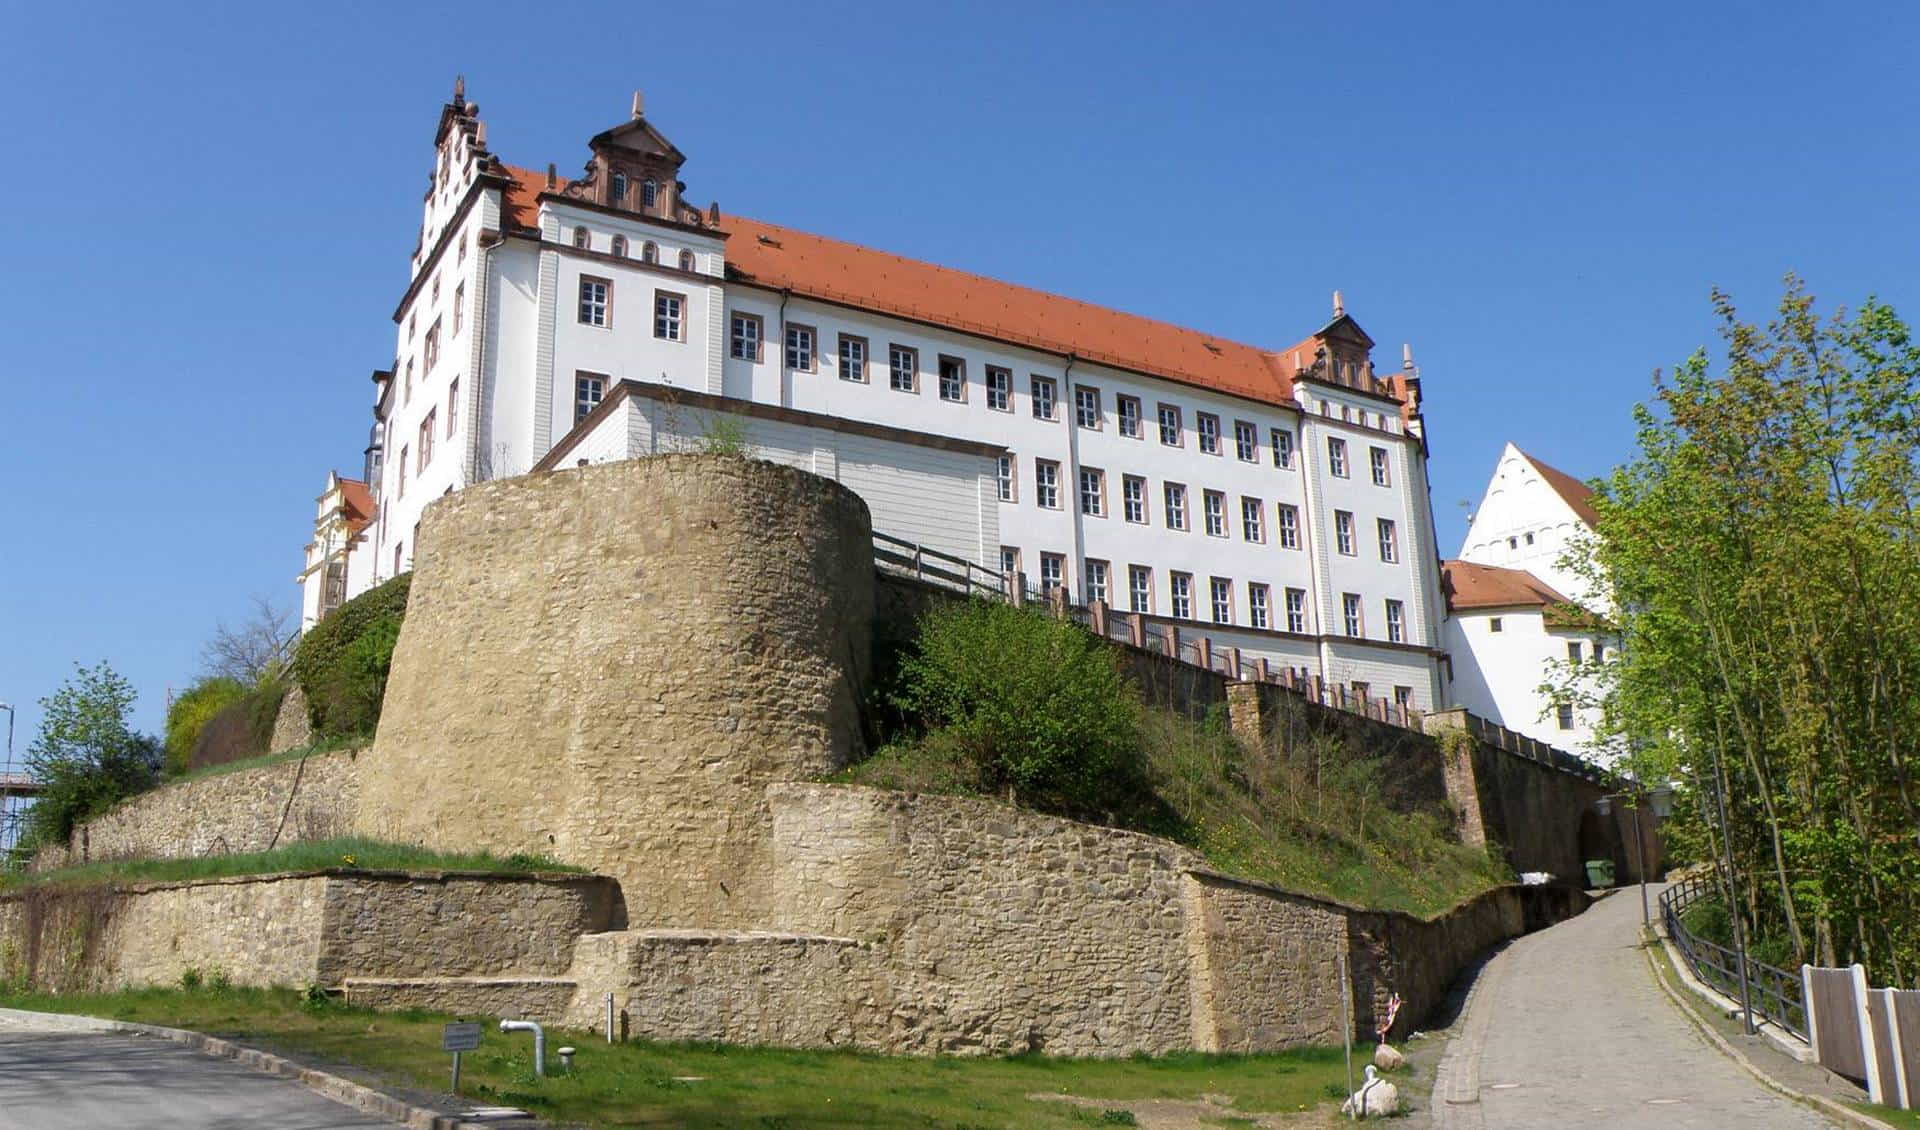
(1568, 1030)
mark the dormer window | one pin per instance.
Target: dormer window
(649, 192)
(617, 190)
(620, 246)
(649, 253)
(686, 260)
(580, 237)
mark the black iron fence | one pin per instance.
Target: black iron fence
(1777, 995)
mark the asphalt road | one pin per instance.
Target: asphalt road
(52, 1080)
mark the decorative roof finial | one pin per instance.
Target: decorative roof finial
(553, 176)
(713, 213)
(459, 90)
(1406, 356)
(639, 104)
(1339, 306)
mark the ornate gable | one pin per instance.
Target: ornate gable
(634, 168)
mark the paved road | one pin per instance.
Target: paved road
(52, 1080)
(1572, 1032)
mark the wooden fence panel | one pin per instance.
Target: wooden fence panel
(1885, 1071)
(1905, 1005)
(1833, 1015)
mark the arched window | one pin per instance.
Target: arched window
(649, 192)
(620, 246)
(580, 238)
(649, 253)
(617, 192)
(686, 260)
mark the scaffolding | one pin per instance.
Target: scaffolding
(17, 791)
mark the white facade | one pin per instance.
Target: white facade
(531, 299)
(1501, 659)
(1530, 515)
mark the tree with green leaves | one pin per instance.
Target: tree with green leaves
(86, 755)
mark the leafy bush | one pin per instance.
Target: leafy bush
(86, 756)
(244, 729)
(342, 661)
(1037, 706)
(191, 711)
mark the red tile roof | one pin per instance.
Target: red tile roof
(815, 266)
(1469, 586)
(358, 503)
(1570, 489)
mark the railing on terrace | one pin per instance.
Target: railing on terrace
(1777, 995)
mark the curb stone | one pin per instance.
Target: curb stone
(1821, 1103)
(343, 1091)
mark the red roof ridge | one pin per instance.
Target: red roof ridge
(1470, 584)
(1571, 490)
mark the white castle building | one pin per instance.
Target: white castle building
(1520, 612)
(1272, 499)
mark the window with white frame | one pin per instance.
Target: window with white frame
(620, 246)
(1599, 651)
(459, 307)
(1139, 588)
(1133, 498)
(595, 298)
(1337, 456)
(1045, 393)
(1009, 561)
(1389, 540)
(1350, 609)
(669, 316)
(1297, 610)
(431, 350)
(649, 252)
(686, 261)
(1094, 583)
(1246, 441)
(588, 388)
(1128, 409)
(1053, 572)
(1377, 460)
(953, 379)
(746, 336)
(1220, 589)
(1086, 406)
(1216, 509)
(1046, 484)
(453, 407)
(800, 348)
(1180, 588)
(1403, 697)
(1093, 492)
(1343, 532)
(1169, 425)
(1006, 478)
(1208, 425)
(649, 192)
(1252, 528)
(426, 440)
(999, 389)
(1396, 622)
(1563, 715)
(1289, 525)
(853, 358)
(1282, 441)
(1257, 610)
(1573, 652)
(903, 368)
(581, 239)
(406, 387)
(1174, 503)
(401, 488)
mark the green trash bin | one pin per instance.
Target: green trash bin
(1599, 873)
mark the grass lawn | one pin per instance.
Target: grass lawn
(346, 852)
(1887, 1114)
(710, 1086)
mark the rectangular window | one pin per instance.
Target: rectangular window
(1086, 406)
(1289, 526)
(1343, 532)
(406, 387)
(853, 358)
(1053, 572)
(1128, 409)
(401, 490)
(1220, 589)
(1175, 505)
(1170, 425)
(1599, 651)
(999, 389)
(1493, 623)
(453, 406)
(1337, 456)
(1251, 526)
(459, 306)
(1403, 697)
(1563, 714)
(1006, 478)
(1044, 393)
(1362, 693)
(800, 348)
(1046, 484)
(1208, 426)
(1182, 589)
(432, 348)
(746, 337)
(1246, 441)
(1389, 540)
(953, 379)
(1396, 622)
(1257, 604)
(1216, 504)
(1282, 441)
(1133, 497)
(595, 298)
(1350, 608)
(1377, 460)
(1139, 588)
(587, 391)
(1573, 652)
(903, 368)
(426, 441)
(669, 316)
(1296, 610)
(1093, 492)
(1096, 581)
(1009, 561)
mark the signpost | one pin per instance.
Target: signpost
(461, 1036)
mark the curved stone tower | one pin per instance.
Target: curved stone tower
(609, 664)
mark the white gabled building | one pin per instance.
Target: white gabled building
(1275, 500)
(1520, 613)
(337, 562)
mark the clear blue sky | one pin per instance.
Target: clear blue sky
(212, 214)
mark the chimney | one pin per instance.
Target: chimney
(713, 213)
(553, 177)
(639, 104)
(1339, 306)
(1406, 356)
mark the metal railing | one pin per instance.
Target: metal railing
(1777, 995)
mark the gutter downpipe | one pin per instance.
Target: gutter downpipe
(780, 347)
